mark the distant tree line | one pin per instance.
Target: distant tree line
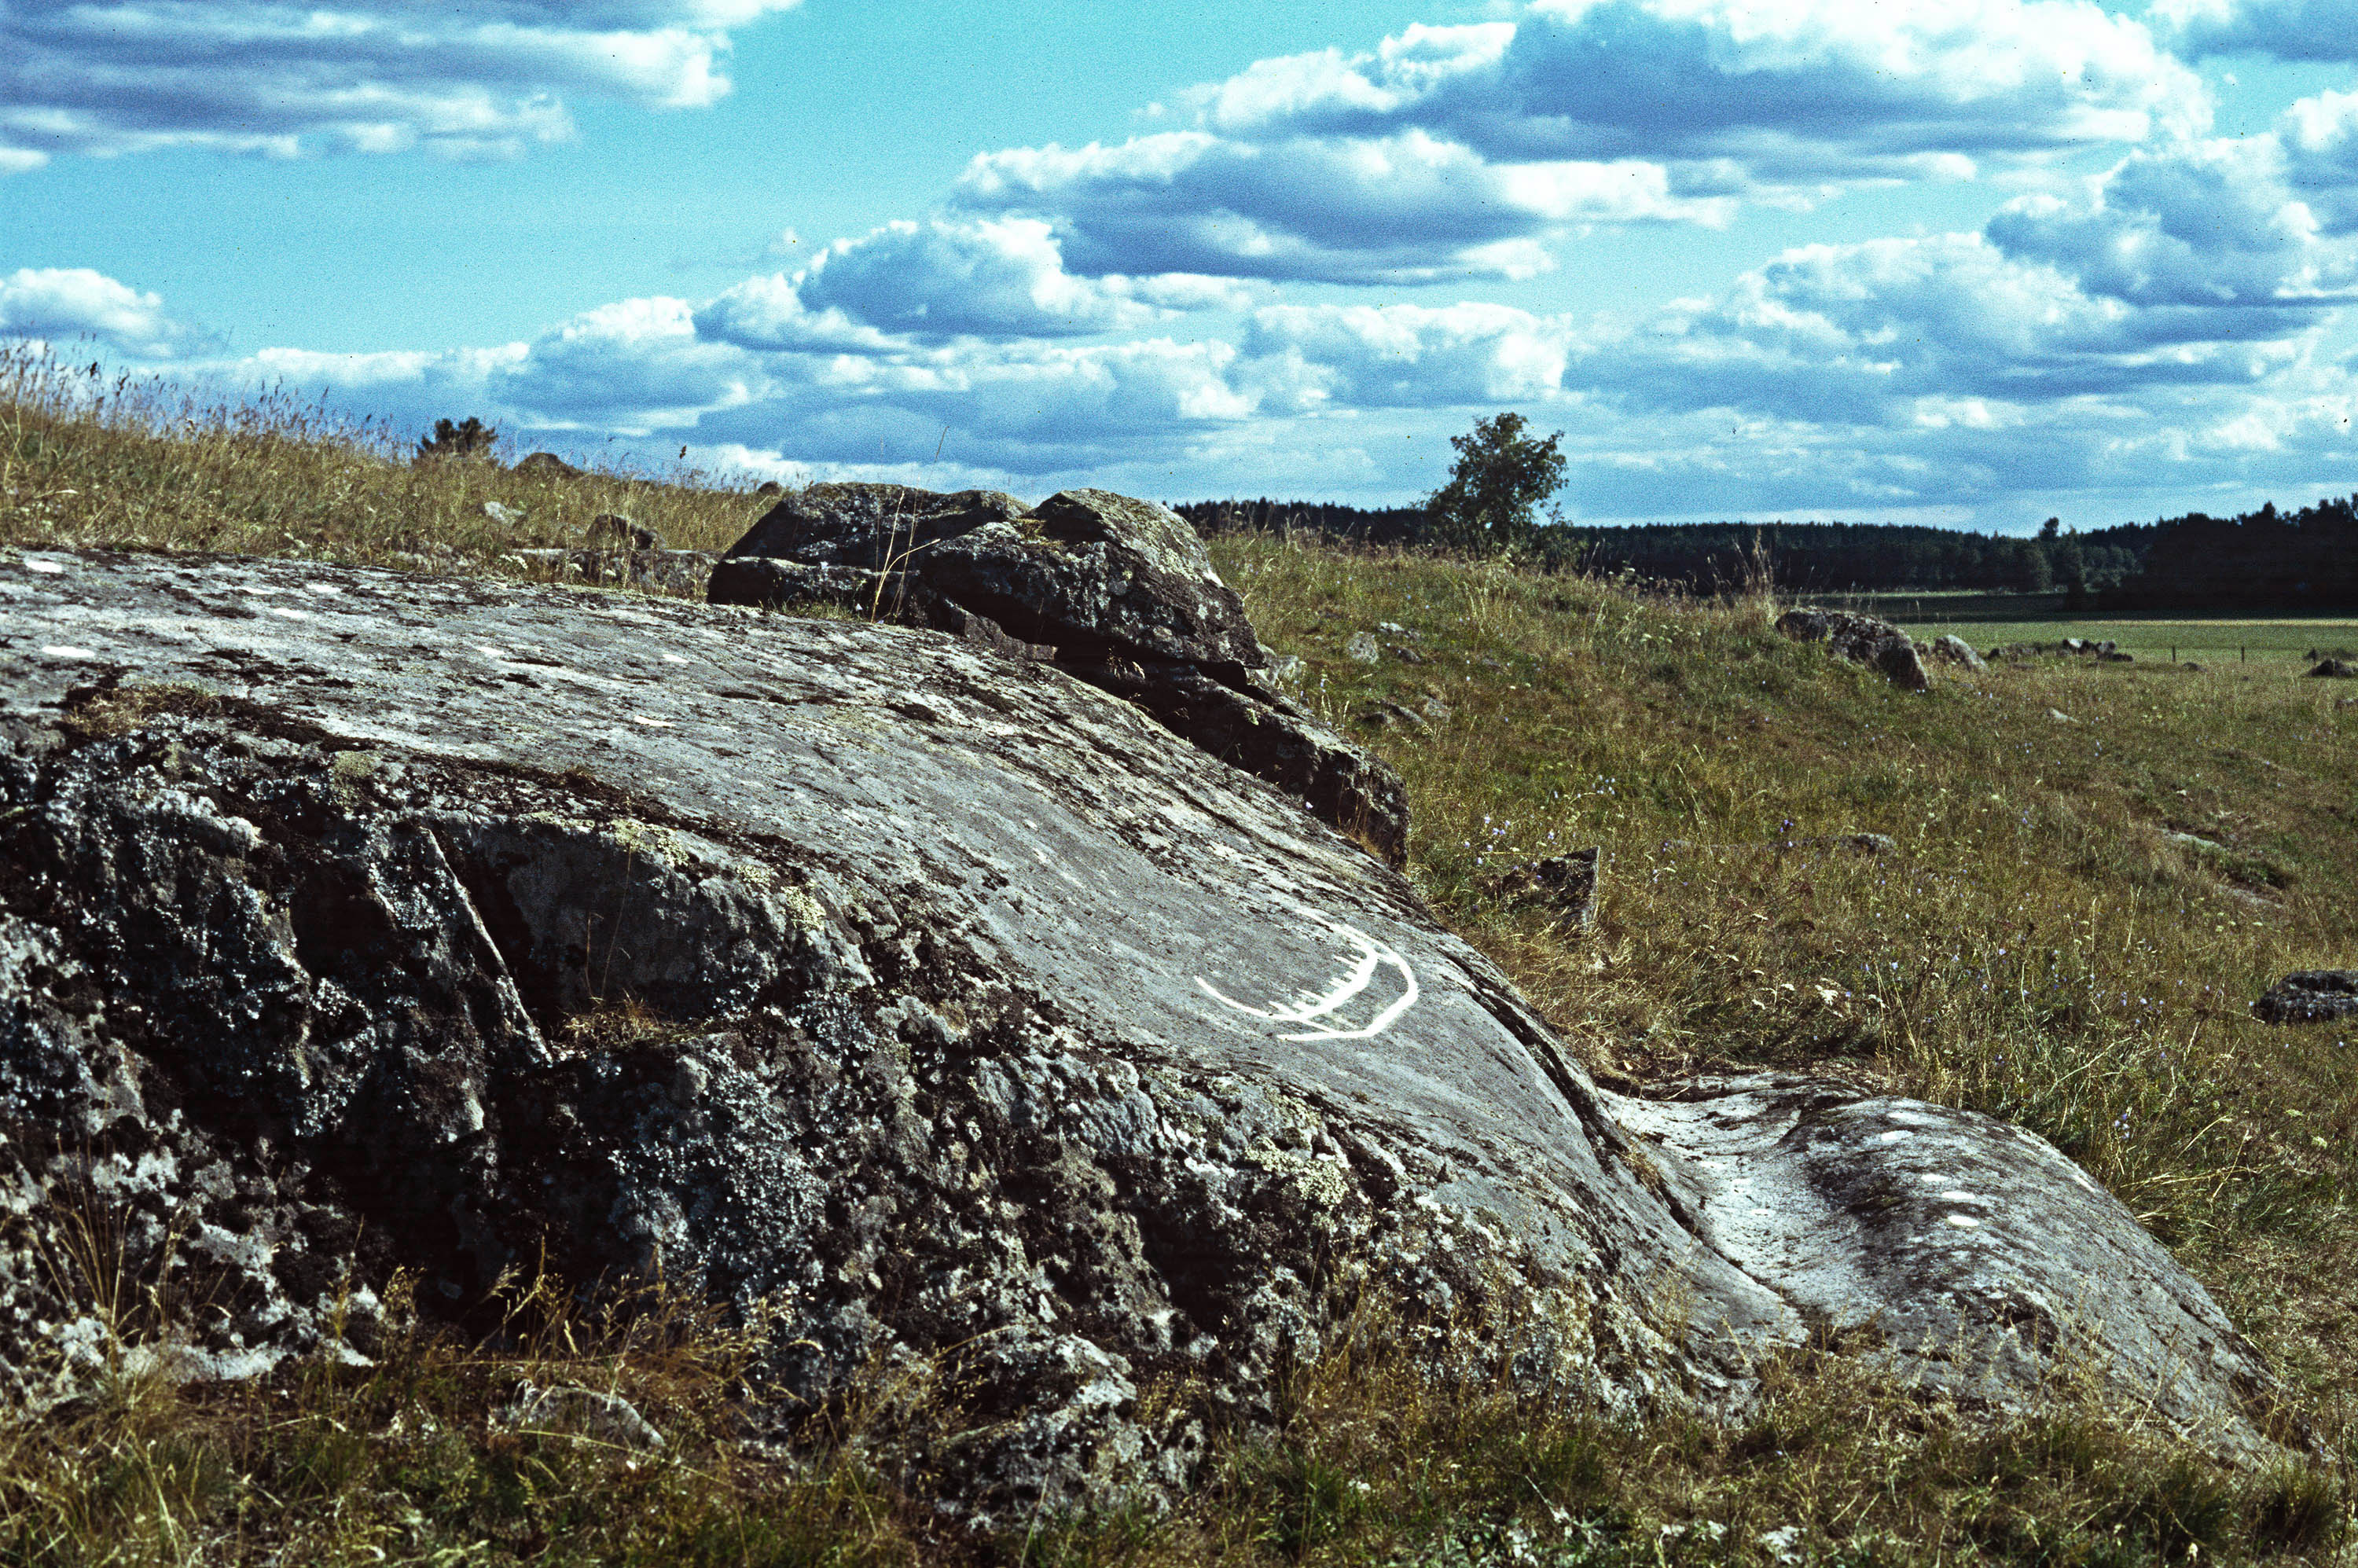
(2261, 560)
(1866, 558)
(1805, 558)
(1316, 519)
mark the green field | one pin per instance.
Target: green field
(1990, 620)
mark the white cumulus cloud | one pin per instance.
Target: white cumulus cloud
(2286, 29)
(89, 76)
(56, 303)
(1455, 152)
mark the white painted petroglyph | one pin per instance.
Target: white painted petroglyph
(65, 651)
(52, 568)
(1374, 956)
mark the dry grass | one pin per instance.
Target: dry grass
(2037, 945)
(136, 464)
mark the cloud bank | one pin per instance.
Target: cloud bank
(85, 77)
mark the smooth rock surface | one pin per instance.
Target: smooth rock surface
(351, 921)
(1963, 1249)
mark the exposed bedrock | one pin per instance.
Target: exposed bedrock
(351, 921)
(1115, 591)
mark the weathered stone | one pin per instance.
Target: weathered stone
(1120, 591)
(1363, 649)
(570, 1411)
(869, 525)
(955, 1009)
(1952, 649)
(545, 465)
(1567, 884)
(506, 516)
(2310, 996)
(612, 531)
(1861, 638)
(769, 487)
(1952, 1244)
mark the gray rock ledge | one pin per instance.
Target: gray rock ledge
(351, 920)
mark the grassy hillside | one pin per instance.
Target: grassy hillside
(2093, 869)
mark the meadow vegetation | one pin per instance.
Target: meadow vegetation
(2093, 870)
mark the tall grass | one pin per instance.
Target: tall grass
(125, 463)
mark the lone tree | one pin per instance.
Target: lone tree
(1490, 505)
(473, 439)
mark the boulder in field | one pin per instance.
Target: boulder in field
(1954, 650)
(545, 465)
(1861, 640)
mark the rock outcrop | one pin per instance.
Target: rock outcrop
(1115, 591)
(983, 1029)
(1861, 638)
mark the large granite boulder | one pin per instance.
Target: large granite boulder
(1118, 592)
(982, 1029)
(1861, 640)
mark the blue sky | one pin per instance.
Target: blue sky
(1970, 262)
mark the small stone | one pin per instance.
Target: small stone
(1955, 650)
(2310, 996)
(573, 1412)
(506, 516)
(612, 531)
(1363, 649)
(1565, 883)
(1386, 715)
(1433, 708)
(2060, 717)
